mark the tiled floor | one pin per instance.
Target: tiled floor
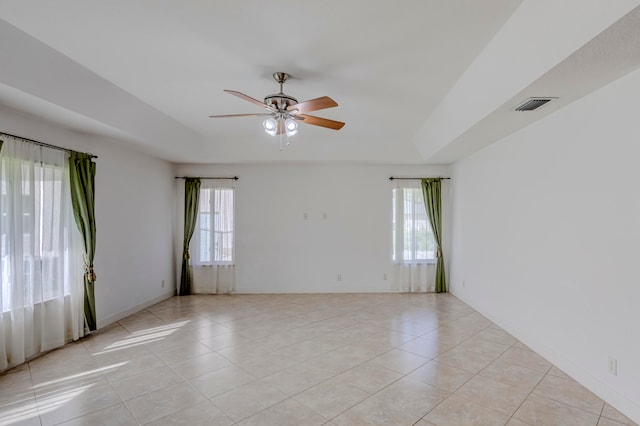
(333, 359)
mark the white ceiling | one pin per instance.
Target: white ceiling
(418, 82)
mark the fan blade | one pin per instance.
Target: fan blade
(313, 105)
(323, 122)
(240, 115)
(250, 99)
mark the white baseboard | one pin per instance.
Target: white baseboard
(262, 290)
(103, 322)
(603, 390)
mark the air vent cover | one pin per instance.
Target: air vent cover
(533, 103)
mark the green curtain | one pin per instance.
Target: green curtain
(82, 172)
(433, 203)
(191, 198)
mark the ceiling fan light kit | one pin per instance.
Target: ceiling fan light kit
(285, 111)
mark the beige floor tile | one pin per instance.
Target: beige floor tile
(117, 415)
(16, 380)
(70, 384)
(541, 411)
(611, 413)
(248, 399)
(66, 403)
(306, 350)
(425, 347)
(19, 407)
(287, 413)
(332, 397)
(400, 361)
(395, 338)
(200, 365)
(494, 394)
(222, 341)
(463, 359)
(483, 347)
(526, 358)
(145, 383)
(423, 422)
(520, 345)
(456, 411)
(58, 369)
(247, 351)
(369, 377)
(516, 422)
(209, 331)
(569, 392)
(512, 374)
(158, 404)
(441, 376)
(555, 371)
(497, 335)
(608, 422)
(410, 396)
(448, 336)
(188, 350)
(298, 378)
(337, 359)
(221, 381)
(370, 412)
(120, 371)
(201, 414)
(267, 365)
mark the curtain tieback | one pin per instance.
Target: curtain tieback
(438, 253)
(89, 273)
(186, 254)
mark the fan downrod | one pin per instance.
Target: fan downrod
(280, 100)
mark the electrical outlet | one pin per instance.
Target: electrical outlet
(324, 216)
(385, 277)
(162, 283)
(613, 366)
(305, 216)
(339, 277)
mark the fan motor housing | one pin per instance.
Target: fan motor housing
(280, 101)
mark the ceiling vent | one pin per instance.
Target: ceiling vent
(533, 103)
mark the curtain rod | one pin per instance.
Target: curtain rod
(416, 178)
(45, 144)
(200, 177)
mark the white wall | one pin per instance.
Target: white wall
(134, 217)
(277, 251)
(546, 232)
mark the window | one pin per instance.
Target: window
(413, 240)
(213, 239)
(34, 233)
(41, 274)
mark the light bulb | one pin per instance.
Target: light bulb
(291, 127)
(270, 126)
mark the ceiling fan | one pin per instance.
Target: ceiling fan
(284, 111)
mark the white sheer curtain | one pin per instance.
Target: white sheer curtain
(413, 257)
(212, 246)
(41, 248)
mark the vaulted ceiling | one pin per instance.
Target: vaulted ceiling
(417, 81)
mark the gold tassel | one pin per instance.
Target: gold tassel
(90, 274)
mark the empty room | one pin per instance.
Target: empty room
(319, 213)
